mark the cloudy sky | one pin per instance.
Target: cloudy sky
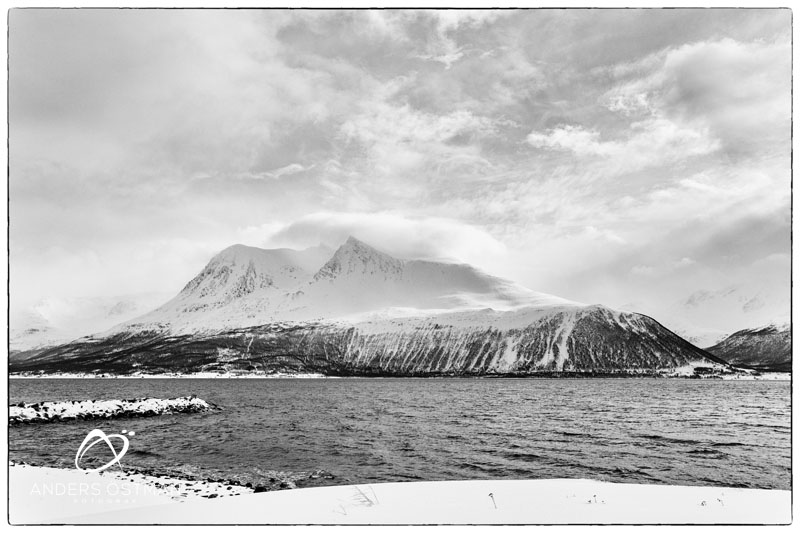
(638, 158)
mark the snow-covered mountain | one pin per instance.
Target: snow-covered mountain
(763, 348)
(244, 286)
(52, 321)
(361, 311)
(698, 336)
(30, 330)
(706, 317)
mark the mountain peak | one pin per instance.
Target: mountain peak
(354, 244)
(360, 249)
(240, 270)
(234, 253)
(355, 257)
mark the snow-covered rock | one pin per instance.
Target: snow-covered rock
(90, 409)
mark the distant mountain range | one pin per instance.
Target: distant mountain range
(766, 348)
(362, 312)
(53, 321)
(706, 317)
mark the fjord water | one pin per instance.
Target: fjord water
(665, 431)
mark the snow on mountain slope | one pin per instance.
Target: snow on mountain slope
(239, 286)
(53, 321)
(529, 339)
(30, 330)
(359, 278)
(240, 271)
(765, 348)
(582, 340)
(244, 287)
(555, 339)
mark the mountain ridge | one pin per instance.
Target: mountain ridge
(364, 312)
(767, 348)
(255, 285)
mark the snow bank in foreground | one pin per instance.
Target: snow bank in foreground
(89, 409)
(543, 501)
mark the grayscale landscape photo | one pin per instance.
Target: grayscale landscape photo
(400, 266)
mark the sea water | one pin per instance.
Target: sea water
(665, 431)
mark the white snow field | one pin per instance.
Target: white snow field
(52, 496)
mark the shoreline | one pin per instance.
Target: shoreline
(44, 495)
(198, 375)
(181, 485)
(762, 376)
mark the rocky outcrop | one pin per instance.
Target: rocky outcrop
(91, 409)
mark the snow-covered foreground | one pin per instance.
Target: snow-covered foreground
(52, 496)
(89, 409)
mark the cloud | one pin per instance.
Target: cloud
(161, 266)
(738, 90)
(288, 170)
(453, 19)
(178, 92)
(401, 142)
(574, 139)
(382, 122)
(402, 236)
(650, 142)
(438, 28)
(643, 270)
(659, 271)
(608, 235)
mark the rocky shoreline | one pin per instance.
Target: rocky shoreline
(185, 485)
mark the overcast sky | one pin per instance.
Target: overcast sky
(631, 157)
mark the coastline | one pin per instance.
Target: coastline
(762, 376)
(42, 495)
(197, 375)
